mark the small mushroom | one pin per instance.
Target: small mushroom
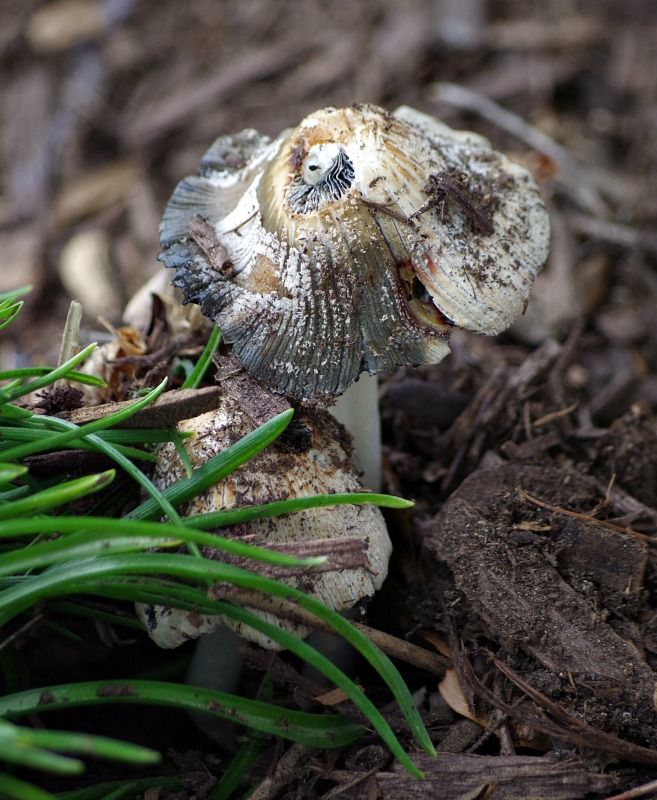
(315, 459)
(354, 242)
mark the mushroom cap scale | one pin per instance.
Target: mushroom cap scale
(355, 242)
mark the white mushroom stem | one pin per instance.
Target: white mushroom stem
(358, 410)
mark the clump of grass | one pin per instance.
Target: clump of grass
(49, 554)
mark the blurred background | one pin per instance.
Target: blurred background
(106, 104)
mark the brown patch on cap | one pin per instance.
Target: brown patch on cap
(297, 154)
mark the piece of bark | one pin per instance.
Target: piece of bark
(94, 191)
(455, 776)
(258, 403)
(140, 126)
(515, 578)
(169, 409)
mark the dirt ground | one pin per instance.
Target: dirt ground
(529, 558)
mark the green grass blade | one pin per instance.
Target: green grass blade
(76, 546)
(57, 495)
(32, 372)
(25, 434)
(49, 378)
(18, 747)
(313, 657)
(220, 519)
(155, 592)
(195, 377)
(12, 412)
(91, 745)
(314, 730)
(9, 472)
(90, 612)
(27, 755)
(16, 789)
(9, 313)
(35, 430)
(118, 790)
(106, 527)
(14, 294)
(184, 456)
(77, 431)
(234, 774)
(216, 468)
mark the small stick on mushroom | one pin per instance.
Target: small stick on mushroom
(393, 646)
(449, 186)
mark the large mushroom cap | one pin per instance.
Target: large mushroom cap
(353, 243)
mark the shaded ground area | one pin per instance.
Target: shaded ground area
(529, 558)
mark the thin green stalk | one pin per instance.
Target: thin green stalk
(32, 372)
(81, 545)
(313, 657)
(315, 730)
(100, 530)
(9, 472)
(234, 773)
(57, 495)
(69, 578)
(49, 378)
(117, 790)
(221, 519)
(16, 434)
(78, 431)
(80, 610)
(116, 436)
(16, 789)
(216, 468)
(14, 294)
(195, 377)
(8, 313)
(91, 745)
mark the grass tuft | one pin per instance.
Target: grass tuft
(54, 559)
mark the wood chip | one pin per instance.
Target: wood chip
(96, 190)
(455, 776)
(167, 410)
(60, 25)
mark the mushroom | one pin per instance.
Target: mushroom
(353, 243)
(315, 460)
